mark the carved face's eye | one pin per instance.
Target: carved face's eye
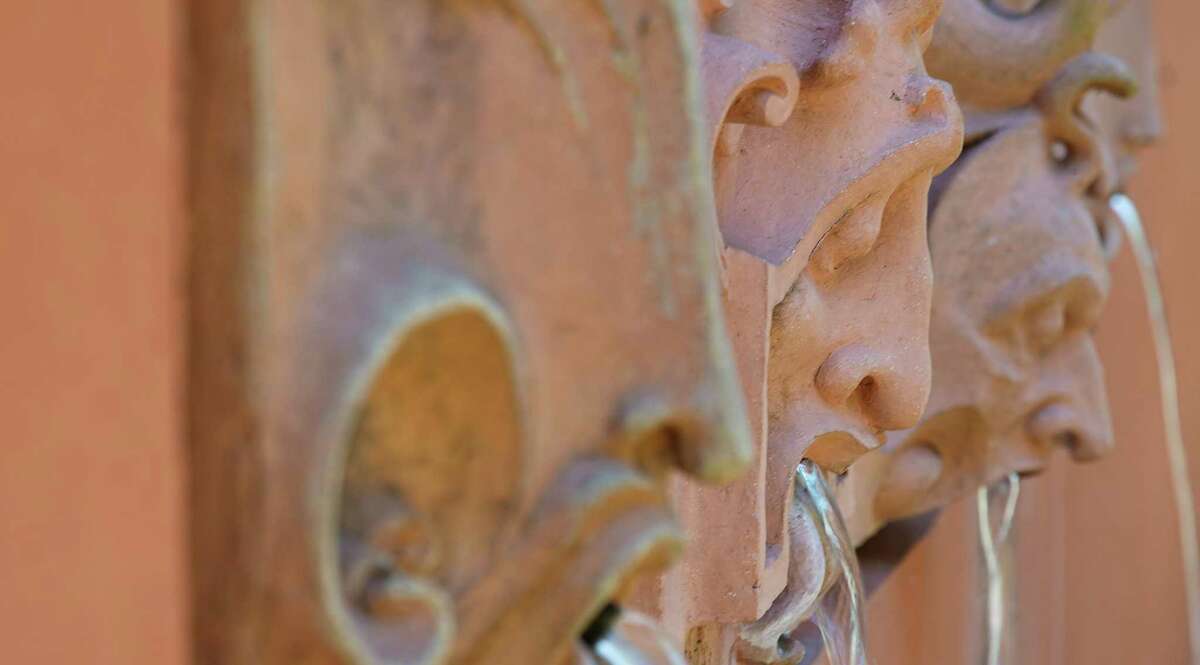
(1073, 309)
(850, 238)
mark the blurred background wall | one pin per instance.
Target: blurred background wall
(92, 535)
(91, 531)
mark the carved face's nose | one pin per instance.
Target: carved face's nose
(1074, 412)
(1088, 436)
(888, 389)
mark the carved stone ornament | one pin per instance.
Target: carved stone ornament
(475, 248)
(483, 291)
(826, 132)
(1020, 232)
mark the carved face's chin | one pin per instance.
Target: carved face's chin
(940, 460)
(1029, 466)
(914, 473)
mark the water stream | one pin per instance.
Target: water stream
(839, 613)
(995, 508)
(1185, 510)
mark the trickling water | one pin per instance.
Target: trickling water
(995, 507)
(1185, 511)
(839, 615)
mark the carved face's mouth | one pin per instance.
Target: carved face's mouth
(1027, 466)
(835, 450)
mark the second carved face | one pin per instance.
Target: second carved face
(1020, 233)
(1020, 236)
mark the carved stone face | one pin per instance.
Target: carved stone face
(1021, 280)
(1019, 237)
(833, 202)
(506, 326)
(1007, 399)
(850, 269)
(826, 133)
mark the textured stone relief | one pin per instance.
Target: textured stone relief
(479, 248)
(459, 278)
(821, 202)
